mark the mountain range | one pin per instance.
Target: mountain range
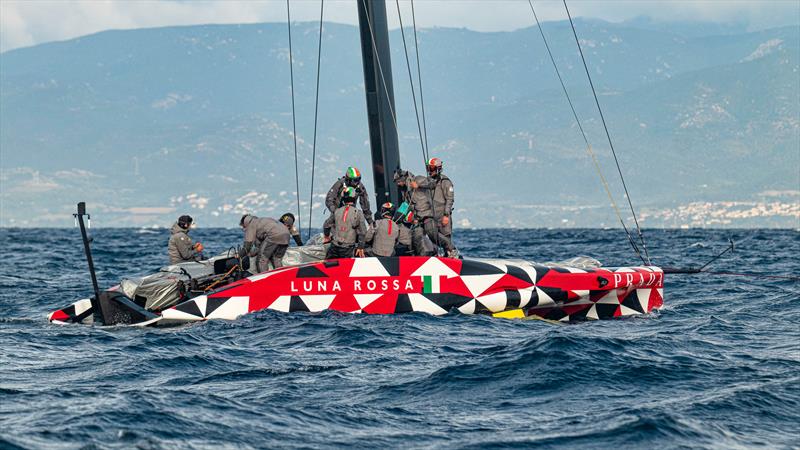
(148, 124)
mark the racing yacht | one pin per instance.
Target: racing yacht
(223, 288)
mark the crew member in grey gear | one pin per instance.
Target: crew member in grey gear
(404, 216)
(288, 220)
(424, 224)
(180, 247)
(351, 178)
(438, 187)
(405, 241)
(266, 239)
(349, 229)
(384, 235)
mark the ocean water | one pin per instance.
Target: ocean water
(717, 367)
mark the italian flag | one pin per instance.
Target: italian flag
(430, 285)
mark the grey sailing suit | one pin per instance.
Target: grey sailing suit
(267, 240)
(334, 198)
(404, 241)
(420, 198)
(383, 236)
(349, 230)
(443, 197)
(295, 233)
(180, 247)
(429, 198)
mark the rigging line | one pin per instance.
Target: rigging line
(728, 249)
(419, 77)
(585, 139)
(608, 135)
(411, 81)
(294, 121)
(316, 115)
(756, 275)
(416, 111)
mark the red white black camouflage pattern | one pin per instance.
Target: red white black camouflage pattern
(432, 285)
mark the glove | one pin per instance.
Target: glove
(445, 220)
(198, 247)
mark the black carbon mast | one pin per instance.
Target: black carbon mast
(374, 32)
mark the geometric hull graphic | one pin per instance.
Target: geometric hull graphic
(434, 286)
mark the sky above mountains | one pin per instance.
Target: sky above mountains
(26, 23)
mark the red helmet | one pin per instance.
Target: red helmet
(433, 165)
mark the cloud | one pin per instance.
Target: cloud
(24, 23)
(170, 101)
(24, 180)
(149, 210)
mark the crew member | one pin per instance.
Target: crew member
(266, 239)
(384, 235)
(401, 179)
(404, 245)
(351, 178)
(404, 214)
(440, 190)
(180, 247)
(288, 220)
(348, 227)
(425, 236)
(410, 239)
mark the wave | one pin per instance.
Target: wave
(716, 367)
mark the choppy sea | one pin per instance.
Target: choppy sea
(717, 367)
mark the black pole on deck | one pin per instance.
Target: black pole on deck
(79, 217)
(374, 32)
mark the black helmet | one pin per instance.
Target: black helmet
(387, 209)
(246, 219)
(287, 219)
(185, 221)
(400, 176)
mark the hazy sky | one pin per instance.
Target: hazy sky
(29, 22)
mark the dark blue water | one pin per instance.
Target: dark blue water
(719, 366)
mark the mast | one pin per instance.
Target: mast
(374, 32)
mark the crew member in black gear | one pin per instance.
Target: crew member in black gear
(351, 178)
